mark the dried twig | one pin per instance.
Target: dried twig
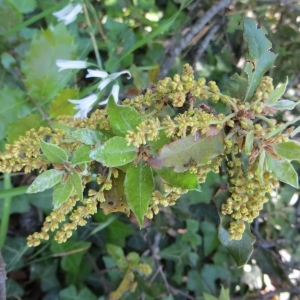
(194, 30)
(2, 279)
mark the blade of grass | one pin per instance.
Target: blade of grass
(5, 211)
(35, 18)
(11, 192)
(164, 26)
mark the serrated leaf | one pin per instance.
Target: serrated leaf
(277, 93)
(237, 86)
(77, 184)
(45, 181)
(61, 105)
(122, 117)
(88, 136)
(285, 105)
(184, 180)
(179, 153)
(24, 124)
(114, 152)
(259, 59)
(283, 171)
(249, 142)
(61, 193)
(240, 250)
(289, 150)
(41, 73)
(54, 153)
(139, 185)
(13, 106)
(81, 155)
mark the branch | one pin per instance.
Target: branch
(2, 279)
(194, 30)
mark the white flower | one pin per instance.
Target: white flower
(71, 64)
(107, 78)
(68, 14)
(114, 92)
(84, 105)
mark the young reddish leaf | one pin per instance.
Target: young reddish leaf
(122, 117)
(54, 153)
(178, 153)
(61, 193)
(114, 152)
(45, 181)
(240, 250)
(139, 185)
(184, 180)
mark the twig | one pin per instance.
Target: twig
(2, 279)
(194, 30)
(205, 43)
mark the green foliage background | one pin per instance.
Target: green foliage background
(180, 243)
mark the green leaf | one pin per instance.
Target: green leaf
(283, 170)
(277, 93)
(41, 72)
(81, 155)
(77, 184)
(114, 152)
(24, 124)
(249, 142)
(88, 136)
(260, 168)
(179, 153)
(289, 150)
(61, 105)
(117, 253)
(122, 117)
(14, 105)
(24, 6)
(209, 297)
(54, 153)
(161, 141)
(61, 194)
(295, 131)
(9, 17)
(45, 181)
(138, 189)
(259, 59)
(70, 293)
(237, 86)
(185, 180)
(285, 105)
(240, 250)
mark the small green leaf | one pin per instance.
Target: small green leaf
(179, 153)
(81, 155)
(285, 105)
(54, 153)
(277, 93)
(240, 250)
(185, 180)
(289, 150)
(295, 131)
(162, 140)
(122, 117)
(260, 168)
(237, 86)
(259, 59)
(118, 254)
(45, 181)
(77, 184)
(61, 193)
(114, 152)
(139, 185)
(24, 6)
(283, 170)
(249, 142)
(88, 136)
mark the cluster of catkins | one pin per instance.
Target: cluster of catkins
(189, 118)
